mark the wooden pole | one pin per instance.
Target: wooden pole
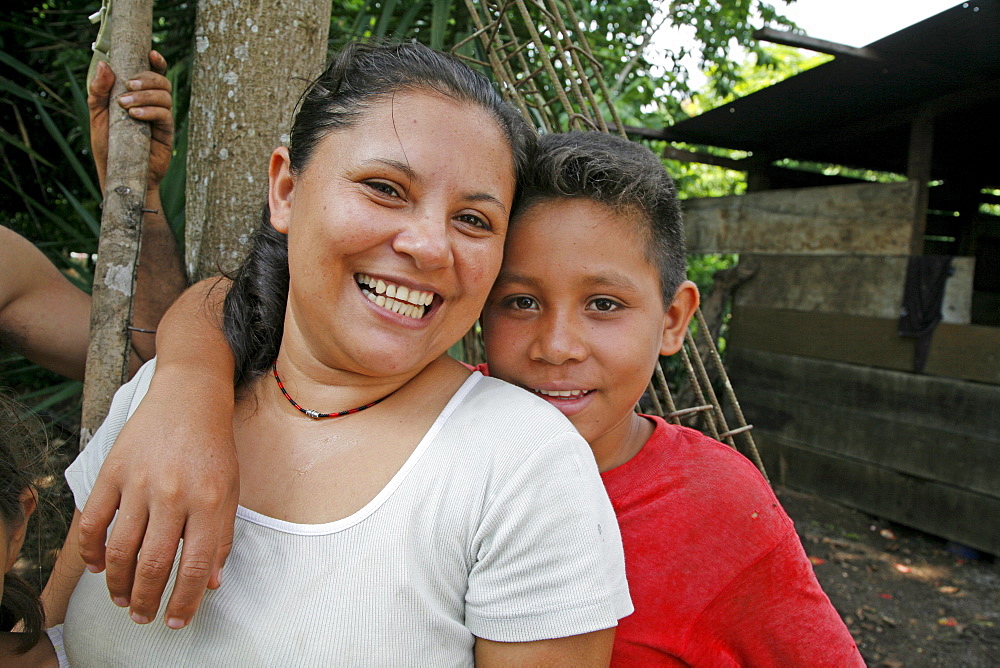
(121, 221)
(918, 168)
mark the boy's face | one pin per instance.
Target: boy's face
(576, 316)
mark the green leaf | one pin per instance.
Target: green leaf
(18, 66)
(11, 140)
(79, 103)
(68, 152)
(406, 23)
(54, 394)
(45, 211)
(7, 86)
(440, 13)
(388, 9)
(86, 216)
(172, 193)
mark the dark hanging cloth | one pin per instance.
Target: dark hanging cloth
(922, 298)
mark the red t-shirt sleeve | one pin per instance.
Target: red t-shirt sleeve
(481, 368)
(774, 613)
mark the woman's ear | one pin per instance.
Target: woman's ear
(279, 189)
(679, 314)
(29, 501)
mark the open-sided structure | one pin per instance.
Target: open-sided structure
(843, 405)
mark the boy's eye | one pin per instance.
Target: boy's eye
(521, 303)
(604, 304)
(383, 188)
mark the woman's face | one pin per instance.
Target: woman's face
(395, 233)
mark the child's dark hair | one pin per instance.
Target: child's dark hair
(361, 75)
(623, 175)
(21, 448)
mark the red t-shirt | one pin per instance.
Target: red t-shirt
(718, 576)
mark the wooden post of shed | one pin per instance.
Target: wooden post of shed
(918, 168)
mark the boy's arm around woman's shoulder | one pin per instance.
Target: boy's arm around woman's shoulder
(173, 466)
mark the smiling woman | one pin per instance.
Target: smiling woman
(414, 195)
(406, 511)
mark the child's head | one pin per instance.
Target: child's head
(622, 175)
(17, 501)
(592, 287)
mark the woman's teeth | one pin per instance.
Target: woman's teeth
(397, 298)
(561, 393)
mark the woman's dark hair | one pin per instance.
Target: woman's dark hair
(362, 74)
(21, 447)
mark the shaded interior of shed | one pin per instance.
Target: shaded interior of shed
(921, 103)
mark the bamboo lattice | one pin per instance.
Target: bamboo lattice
(539, 55)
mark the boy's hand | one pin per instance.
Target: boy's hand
(147, 98)
(174, 472)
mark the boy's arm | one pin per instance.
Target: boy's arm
(173, 466)
(45, 317)
(65, 574)
(160, 276)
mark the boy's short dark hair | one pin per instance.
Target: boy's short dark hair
(620, 174)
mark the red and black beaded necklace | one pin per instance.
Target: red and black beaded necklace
(316, 415)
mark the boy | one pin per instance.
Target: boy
(592, 291)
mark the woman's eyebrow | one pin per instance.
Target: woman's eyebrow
(394, 164)
(412, 176)
(486, 197)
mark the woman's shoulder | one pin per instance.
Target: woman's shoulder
(497, 426)
(508, 408)
(82, 472)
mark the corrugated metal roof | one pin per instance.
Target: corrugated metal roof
(857, 112)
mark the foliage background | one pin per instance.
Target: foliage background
(49, 192)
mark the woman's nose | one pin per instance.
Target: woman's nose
(426, 240)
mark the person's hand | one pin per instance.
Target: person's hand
(147, 98)
(174, 473)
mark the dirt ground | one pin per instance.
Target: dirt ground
(909, 599)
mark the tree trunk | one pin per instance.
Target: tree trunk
(121, 222)
(252, 60)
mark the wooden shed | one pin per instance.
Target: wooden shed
(841, 403)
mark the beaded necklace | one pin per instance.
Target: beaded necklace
(316, 415)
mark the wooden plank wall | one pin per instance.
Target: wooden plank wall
(866, 285)
(829, 385)
(918, 450)
(968, 352)
(870, 218)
